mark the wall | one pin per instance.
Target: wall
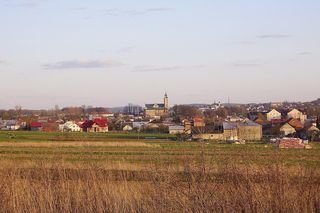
(250, 133)
(215, 137)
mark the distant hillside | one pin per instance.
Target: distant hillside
(116, 109)
(316, 102)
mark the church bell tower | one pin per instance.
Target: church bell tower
(166, 101)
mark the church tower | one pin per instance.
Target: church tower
(166, 101)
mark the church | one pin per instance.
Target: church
(157, 109)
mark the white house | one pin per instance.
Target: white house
(287, 129)
(273, 114)
(139, 124)
(127, 128)
(69, 126)
(11, 125)
(176, 129)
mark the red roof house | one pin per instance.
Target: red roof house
(96, 125)
(36, 126)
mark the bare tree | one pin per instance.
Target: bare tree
(18, 110)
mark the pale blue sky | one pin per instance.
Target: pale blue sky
(110, 53)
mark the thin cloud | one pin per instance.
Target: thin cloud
(24, 3)
(273, 36)
(77, 9)
(159, 9)
(198, 66)
(246, 42)
(27, 4)
(134, 12)
(112, 12)
(247, 64)
(3, 62)
(93, 64)
(156, 69)
(127, 49)
(304, 53)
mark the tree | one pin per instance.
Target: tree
(222, 112)
(6, 115)
(18, 109)
(84, 110)
(185, 111)
(56, 111)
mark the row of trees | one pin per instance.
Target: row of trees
(72, 112)
(211, 116)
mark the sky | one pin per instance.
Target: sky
(114, 52)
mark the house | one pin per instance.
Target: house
(127, 128)
(152, 125)
(103, 115)
(176, 129)
(261, 119)
(287, 129)
(273, 114)
(69, 126)
(313, 128)
(297, 115)
(36, 126)
(96, 125)
(157, 109)
(243, 130)
(187, 126)
(11, 125)
(276, 104)
(249, 130)
(198, 122)
(139, 124)
(296, 123)
(312, 132)
(230, 131)
(234, 118)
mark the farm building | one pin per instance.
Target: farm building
(208, 133)
(174, 130)
(249, 130)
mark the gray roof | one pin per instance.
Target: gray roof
(155, 106)
(233, 125)
(11, 122)
(229, 125)
(248, 123)
(176, 127)
(207, 130)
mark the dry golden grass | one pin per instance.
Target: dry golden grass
(227, 188)
(156, 177)
(77, 144)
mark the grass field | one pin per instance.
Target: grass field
(54, 172)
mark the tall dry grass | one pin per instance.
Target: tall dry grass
(196, 188)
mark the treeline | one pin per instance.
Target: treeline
(56, 112)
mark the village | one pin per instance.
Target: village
(275, 122)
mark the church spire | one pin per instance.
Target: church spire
(166, 100)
